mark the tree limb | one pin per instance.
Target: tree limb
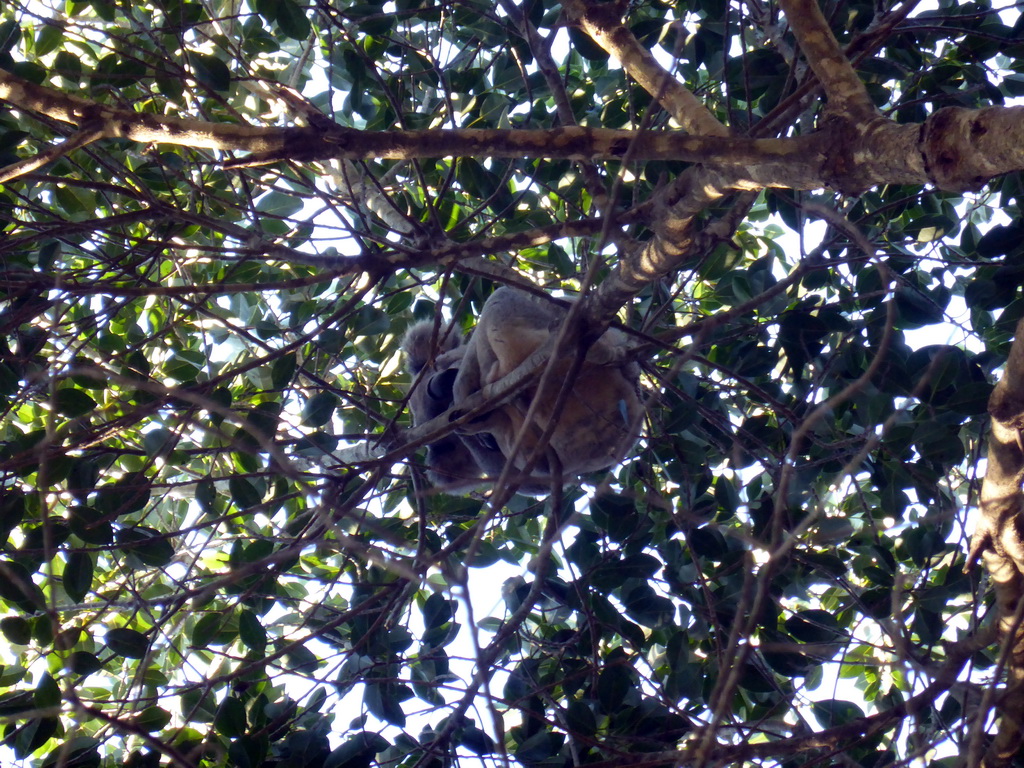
(998, 541)
(845, 91)
(603, 23)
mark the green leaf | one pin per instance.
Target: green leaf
(198, 705)
(319, 409)
(90, 525)
(78, 573)
(12, 509)
(357, 752)
(72, 402)
(244, 493)
(279, 204)
(48, 40)
(283, 369)
(78, 752)
(147, 544)
(814, 626)
(580, 718)
(381, 700)
(10, 35)
(539, 748)
(206, 494)
(32, 735)
(159, 442)
(83, 663)
(585, 46)
(214, 629)
(17, 587)
(16, 702)
(251, 631)
(230, 718)
(129, 494)
(437, 611)
(68, 65)
(47, 693)
(613, 685)
(835, 712)
(476, 741)
(291, 17)
(210, 71)
(152, 719)
(16, 629)
(68, 638)
(127, 642)
(301, 659)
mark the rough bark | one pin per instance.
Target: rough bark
(999, 542)
(956, 149)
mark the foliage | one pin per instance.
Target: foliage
(195, 572)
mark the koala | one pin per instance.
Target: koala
(452, 463)
(598, 423)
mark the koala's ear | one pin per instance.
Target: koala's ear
(420, 344)
(440, 385)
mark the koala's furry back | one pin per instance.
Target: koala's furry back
(596, 426)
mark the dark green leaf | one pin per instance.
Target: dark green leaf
(129, 494)
(16, 630)
(10, 35)
(90, 525)
(243, 493)
(127, 642)
(539, 748)
(16, 702)
(72, 402)
(319, 409)
(357, 752)
(476, 741)
(210, 71)
(437, 610)
(251, 631)
(47, 693)
(83, 663)
(613, 684)
(301, 659)
(291, 17)
(814, 626)
(382, 700)
(17, 587)
(835, 712)
(152, 719)
(147, 544)
(283, 369)
(209, 628)
(78, 575)
(230, 719)
(30, 736)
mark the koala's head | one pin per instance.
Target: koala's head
(456, 461)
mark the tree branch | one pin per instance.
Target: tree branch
(998, 541)
(846, 93)
(961, 148)
(603, 23)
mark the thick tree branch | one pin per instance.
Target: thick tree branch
(999, 541)
(846, 93)
(955, 149)
(603, 22)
